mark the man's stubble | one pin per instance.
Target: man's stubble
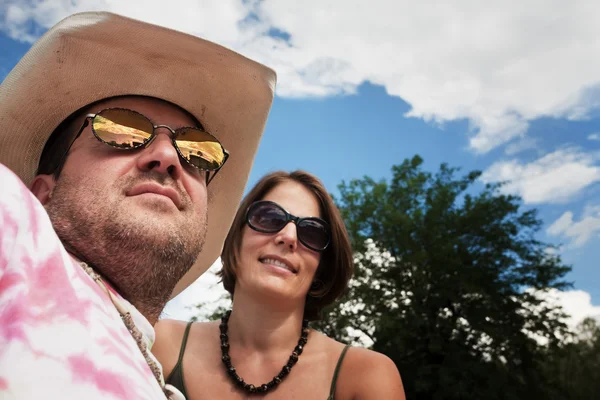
(140, 251)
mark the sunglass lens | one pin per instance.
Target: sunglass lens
(314, 233)
(122, 128)
(266, 217)
(200, 148)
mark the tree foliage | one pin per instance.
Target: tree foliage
(574, 369)
(447, 274)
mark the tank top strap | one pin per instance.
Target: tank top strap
(175, 378)
(336, 372)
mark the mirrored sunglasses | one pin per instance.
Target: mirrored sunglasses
(127, 129)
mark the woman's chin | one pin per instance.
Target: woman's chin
(277, 289)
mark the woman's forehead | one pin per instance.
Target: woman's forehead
(295, 198)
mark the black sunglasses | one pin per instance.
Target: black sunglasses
(126, 129)
(269, 217)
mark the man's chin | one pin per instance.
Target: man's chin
(146, 232)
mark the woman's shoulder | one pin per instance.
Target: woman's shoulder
(354, 357)
(170, 340)
(171, 332)
(362, 358)
(167, 328)
(366, 374)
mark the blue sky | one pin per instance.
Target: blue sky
(506, 89)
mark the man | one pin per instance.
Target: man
(119, 129)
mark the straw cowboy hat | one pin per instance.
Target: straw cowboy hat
(95, 55)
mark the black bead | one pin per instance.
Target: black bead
(225, 346)
(226, 358)
(303, 341)
(264, 388)
(276, 380)
(223, 336)
(223, 327)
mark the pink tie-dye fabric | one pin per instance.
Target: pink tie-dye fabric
(60, 335)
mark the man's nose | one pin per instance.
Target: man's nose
(161, 156)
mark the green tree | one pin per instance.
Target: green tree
(446, 284)
(574, 368)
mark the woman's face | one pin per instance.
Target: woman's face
(278, 264)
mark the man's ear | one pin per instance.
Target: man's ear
(42, 187)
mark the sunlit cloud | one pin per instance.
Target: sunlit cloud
(497, 65)
(578, 232)
(554, 178)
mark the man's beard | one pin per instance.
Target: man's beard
(143, 255)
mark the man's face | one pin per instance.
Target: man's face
(138, 216)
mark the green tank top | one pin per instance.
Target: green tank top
(175, 378)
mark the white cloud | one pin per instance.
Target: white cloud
(215, 20)
(206, 290)
(498, 65)
(594, 136)
(577, 304)
(521, 145)
(553, 178)
(561, 225)
(579, 232)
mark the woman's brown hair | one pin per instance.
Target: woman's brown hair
(336, 266)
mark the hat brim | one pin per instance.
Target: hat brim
(92, 56)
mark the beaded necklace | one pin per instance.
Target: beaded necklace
(266, 387)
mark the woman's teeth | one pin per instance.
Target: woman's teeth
(277, 263)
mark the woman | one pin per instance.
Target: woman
(280, 275)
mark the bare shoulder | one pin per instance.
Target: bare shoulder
(366, 374)
(169, 335)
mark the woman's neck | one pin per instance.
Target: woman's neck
(264, 326)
